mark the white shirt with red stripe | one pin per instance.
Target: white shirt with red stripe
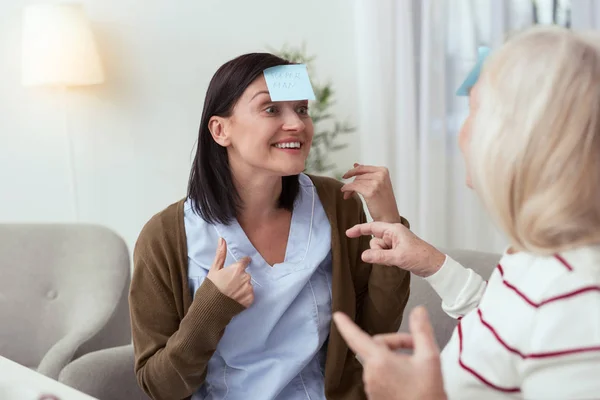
(533, 331)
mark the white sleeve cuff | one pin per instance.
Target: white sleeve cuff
(449, 281)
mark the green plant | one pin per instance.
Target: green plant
(327, 127)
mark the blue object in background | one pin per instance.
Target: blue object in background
(471, 79)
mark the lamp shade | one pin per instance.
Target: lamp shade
(59, 47)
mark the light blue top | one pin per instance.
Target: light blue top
(276, 348)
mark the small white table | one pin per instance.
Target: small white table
(21, 383)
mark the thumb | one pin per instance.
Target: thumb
(220, 256)
(243, 263)
(378, 256)
(422, 333)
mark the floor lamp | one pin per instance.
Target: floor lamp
(59, 51)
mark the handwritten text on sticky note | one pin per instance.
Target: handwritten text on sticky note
(289, 83)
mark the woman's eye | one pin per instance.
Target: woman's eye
(271, 110)
(302, 110)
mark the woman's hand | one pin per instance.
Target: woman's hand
(233, 281)
(395, 244)
(389, 375)
(375, 186)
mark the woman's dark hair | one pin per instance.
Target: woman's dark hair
(210, 188)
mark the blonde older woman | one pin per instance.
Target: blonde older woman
(532, 148)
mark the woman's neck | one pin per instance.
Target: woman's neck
(259, 195)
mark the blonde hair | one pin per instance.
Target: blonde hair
(535, 148)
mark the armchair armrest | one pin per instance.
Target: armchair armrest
(59, 355)
(105, 374)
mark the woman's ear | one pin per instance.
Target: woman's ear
(218, 129)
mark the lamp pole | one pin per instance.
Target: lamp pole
(70, 152)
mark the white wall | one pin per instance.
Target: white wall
(134, 135)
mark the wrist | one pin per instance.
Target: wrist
(436, 261)
(391, 219)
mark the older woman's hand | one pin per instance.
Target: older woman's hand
(375, 186)
(393, 376)
(395, 244)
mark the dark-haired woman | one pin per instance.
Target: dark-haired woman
(234, 286)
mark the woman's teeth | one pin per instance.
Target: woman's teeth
(290, 145)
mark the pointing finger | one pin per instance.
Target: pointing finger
(422, 332)
(359, 341)
(376, 229)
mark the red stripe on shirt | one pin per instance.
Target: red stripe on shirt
(556, 353)
(475, 373)
(563, 262)
(549, 300)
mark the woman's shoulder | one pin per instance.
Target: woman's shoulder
(552, 299)
(567, 313)
(324, 182)
(552, 284)
(578, 266)
(332, 198)
(164, 227)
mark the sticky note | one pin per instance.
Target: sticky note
(289, 83)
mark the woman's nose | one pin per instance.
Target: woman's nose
(293, 122)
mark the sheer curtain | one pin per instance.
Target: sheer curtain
(411, 57)
(586, 14)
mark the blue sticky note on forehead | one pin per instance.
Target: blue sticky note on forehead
(289, 83)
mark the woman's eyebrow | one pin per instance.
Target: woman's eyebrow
(259, 93)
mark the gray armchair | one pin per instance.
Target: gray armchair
(63, 293)
(105, 374)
